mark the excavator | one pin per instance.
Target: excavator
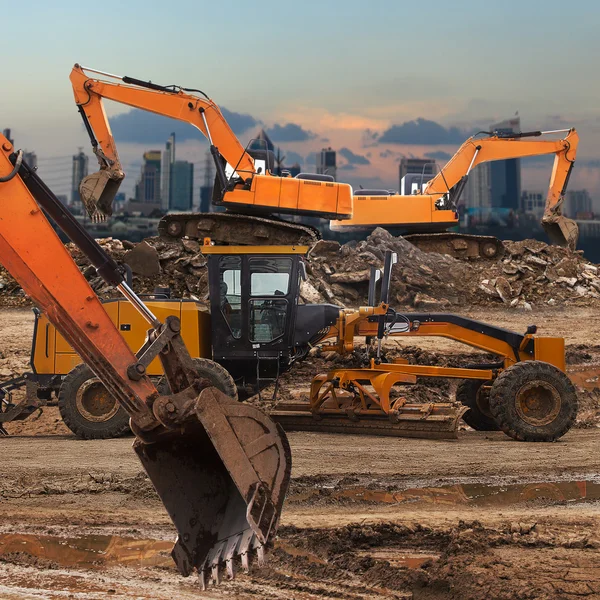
(429, 208)
(220, 467)
(247, 187)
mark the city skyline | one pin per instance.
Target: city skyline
(359, 89)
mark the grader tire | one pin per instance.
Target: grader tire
(88, 409)
(214, 374)
(533, 401)
(478, 416)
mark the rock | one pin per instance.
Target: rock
(510, 269)
(355, 277)
(327, 269)
(325, 247)
(128, 245)
(424, 301)
(536, 260)
(191, 246)
(570, 281)
(527, 306)
(504, 290)
(581, 291)
(143, 260)
(552, 302)
(488, 290)
(589, 267)
(309, 293)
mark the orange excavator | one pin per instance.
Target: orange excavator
(245, 183)
(221, 468)
(430, 208)
(247, 187)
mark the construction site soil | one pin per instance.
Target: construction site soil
(475, 518)
(479, 517)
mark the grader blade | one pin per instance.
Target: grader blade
(426, 421)
(222, 478)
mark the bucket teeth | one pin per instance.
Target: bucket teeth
(227, 555)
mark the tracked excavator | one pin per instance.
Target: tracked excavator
(253, 195)
(426, 210)
(220, 467)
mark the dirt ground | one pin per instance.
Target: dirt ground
(474, 518)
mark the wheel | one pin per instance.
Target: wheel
(214, 375)
(488, 249)
(87, 407)
(471, 393)
(533, 401)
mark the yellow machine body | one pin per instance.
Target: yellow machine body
(52, 355)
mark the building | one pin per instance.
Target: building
(533, 203)
(478, 191)
(31, 159)
(578, 204)
(326, 163)
(168, 158)
(147, 189)
(182, 185)
(505, 175)
(6, 134)
(79, 171)
(206, 189)
(423, 167)
(262, 142)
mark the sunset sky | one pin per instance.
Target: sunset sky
(376, 81)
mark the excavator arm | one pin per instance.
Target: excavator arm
(453, 177)
(173, 102)
(221, 468)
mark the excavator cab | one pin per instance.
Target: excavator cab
(258, 327)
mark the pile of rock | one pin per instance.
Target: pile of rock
(530, 273)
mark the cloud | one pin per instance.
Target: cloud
(354, 159)
(347, 167)
(438, 155)
(422, 132)
(141, 127)
(290, 132)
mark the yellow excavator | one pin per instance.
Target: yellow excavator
(220, 467)
(247, 187)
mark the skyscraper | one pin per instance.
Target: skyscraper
(168, 158)
(505, 175)
(326, 163)
(147, 190)
(6, 134)
(182, 185)
(80, 170)
(478, 193)
(206, 190)
(31, 159)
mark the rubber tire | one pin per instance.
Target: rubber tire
(504, 392)
(217, 375)
(116, 426)
(466, 394)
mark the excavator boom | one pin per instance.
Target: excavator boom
(221, 468)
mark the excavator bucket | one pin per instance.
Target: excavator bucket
(222, 477)
(561, 230)
(97, 192)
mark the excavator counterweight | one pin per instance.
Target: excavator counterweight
(221, 468)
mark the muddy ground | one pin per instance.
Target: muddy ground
(478, 517)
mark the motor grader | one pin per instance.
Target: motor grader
(257, 329)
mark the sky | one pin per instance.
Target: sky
(375, 80)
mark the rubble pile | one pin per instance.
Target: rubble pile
(529, 274)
